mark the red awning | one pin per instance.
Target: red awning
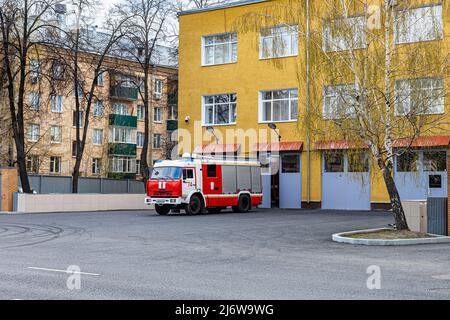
(217, 148)
(431, 141)
(338, 145)
(278, 146)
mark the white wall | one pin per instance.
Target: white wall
(29, 203)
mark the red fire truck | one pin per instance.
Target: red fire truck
(198, 183)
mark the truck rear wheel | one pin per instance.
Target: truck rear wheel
(244, 204)
(195, 205)
(162, 209)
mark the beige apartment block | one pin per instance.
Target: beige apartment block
(116, 123)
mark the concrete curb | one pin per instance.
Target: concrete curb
(341, 238)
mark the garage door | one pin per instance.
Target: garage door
(420, 174)
(290, 181)
(345, 180)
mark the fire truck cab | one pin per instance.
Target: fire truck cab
(198, 184)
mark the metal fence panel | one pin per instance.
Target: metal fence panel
(89, 185)
(115, 186)
(136, 187)
(437, 213)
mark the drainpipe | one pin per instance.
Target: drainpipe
(308, 96)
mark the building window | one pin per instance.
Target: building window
(173, 112)
(344, 34)
(80, 118)
(419, 24)
(123, 165)
(408, 162)
(435, 161)
(55, 164)
(333, 161)
(290, 163)
(80, 90)
(97, 137)
(100, 79)
(157, 114)
(140, 112)
(33, 132)
(279, 105)
(140, 139)
(55, 133)
(33, 164)
(219, 109)
(158, 87)
(96, 165)
(74, 149)
(98, 108)
(122, 135)
(56, 103)
(35, 70)
(419, 96)
(138, 166)
(157, 141)
(278, 42)
(58, 70)
(34, 100)
(357, 161)
(120, 108)
(220, 49)
(339, 101)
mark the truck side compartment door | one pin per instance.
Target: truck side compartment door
(212, 179)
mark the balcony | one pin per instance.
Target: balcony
(121, 149)
(123, 93)
(172, 125)
(122, 120)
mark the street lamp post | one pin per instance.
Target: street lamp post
(273, 126)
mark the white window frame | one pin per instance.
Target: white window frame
(159, 87)
(35, 70)
(173, 112)
(99, 108)
(289, 99)
(232, 41)
(55, 163)
(120, 109)
(159, 140)
(140, 112)
(117, 165)
(411, 33)
(56, 134)
(34, 132)
(96, 166)
(126, 135)
(291, 49)
(97, 137)
(439, 104)
(339, 42)
(157, 116)
(327, 115)
(214, 105)
(139, 139)
(56, 102)
(34, 100)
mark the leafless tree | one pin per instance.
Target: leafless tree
(145, 27)
(23, 26)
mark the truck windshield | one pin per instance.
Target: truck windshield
(165, 173)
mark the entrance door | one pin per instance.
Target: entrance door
(345, 181)
(290, 181)
(189, 181)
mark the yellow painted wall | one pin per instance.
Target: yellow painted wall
(246, 78)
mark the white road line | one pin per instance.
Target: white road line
(64, 271)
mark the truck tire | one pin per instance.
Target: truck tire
(244, 204)
(195, 205)
(162, 209)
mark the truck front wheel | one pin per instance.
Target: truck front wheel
(162, 209)
(244, 204)
(195, 205)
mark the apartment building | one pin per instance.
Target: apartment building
(116, 126)
(232, 80)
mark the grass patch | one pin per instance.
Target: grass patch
(388, 235)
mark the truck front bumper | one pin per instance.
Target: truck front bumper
(162, 201)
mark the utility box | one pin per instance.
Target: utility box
(8, 185)
(416, 215)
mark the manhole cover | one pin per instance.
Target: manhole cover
(442, 277)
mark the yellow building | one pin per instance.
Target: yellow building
(233, 84)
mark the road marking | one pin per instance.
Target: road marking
(442, 277)
(64, 271)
